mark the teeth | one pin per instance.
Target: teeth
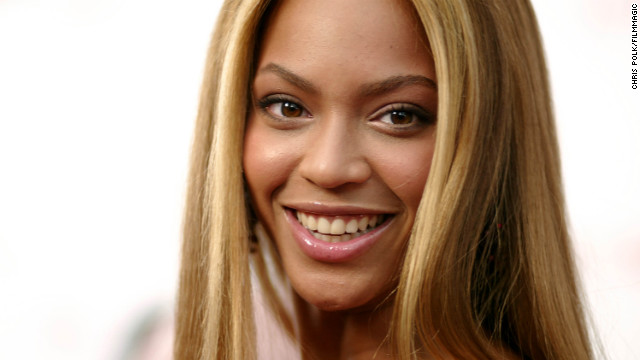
(352, 226)
(324, 226)
(363, 223)
(312, 224)
(337, 229)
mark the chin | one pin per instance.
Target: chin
(332, 305)
(336, 305)
(341, 297)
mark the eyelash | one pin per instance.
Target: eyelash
(266, 102)
(423, 117)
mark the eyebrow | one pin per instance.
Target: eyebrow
(290, 77)
(367, 90)
(396, 82)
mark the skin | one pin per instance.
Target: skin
(322, 136)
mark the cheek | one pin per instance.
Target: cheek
(405, 168)
(266, 162)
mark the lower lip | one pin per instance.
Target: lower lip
(333, 252)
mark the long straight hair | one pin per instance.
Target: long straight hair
(488, 271)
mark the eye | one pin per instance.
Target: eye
(398, 117)
(404, 116)
(282, 108)
(286, 109)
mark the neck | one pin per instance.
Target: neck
(344, 335)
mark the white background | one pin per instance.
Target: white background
(97, 102)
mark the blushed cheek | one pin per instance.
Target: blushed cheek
(265, 162)
(415, 187)
(407, 175)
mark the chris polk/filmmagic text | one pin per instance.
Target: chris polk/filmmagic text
(634, 46)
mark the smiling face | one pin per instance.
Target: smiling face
(339, 143)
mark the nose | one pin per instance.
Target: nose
(335, 157)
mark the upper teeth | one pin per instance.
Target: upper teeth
(338, 225)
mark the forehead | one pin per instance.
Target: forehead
(363, 35)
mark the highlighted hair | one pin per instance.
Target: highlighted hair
(488, 271)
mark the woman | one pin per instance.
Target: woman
(401, 160)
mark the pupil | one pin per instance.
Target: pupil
(400, 117)
(291, 109)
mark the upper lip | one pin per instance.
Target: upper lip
(337, 209)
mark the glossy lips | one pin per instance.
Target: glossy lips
(335, 238)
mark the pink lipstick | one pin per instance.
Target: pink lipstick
(333, 252)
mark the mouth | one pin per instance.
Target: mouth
(339, 228)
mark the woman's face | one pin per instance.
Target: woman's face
(339, 142)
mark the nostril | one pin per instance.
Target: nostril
(333, 175)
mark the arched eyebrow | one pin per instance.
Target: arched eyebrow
(367, 90)
(291, 77)
(396, 82)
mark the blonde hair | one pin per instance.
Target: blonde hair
(488, 271)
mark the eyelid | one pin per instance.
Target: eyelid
(424, 116)
(269, 100)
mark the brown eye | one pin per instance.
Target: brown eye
(400, 117)
(403, 117)
(289, 109)
(282, 108)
